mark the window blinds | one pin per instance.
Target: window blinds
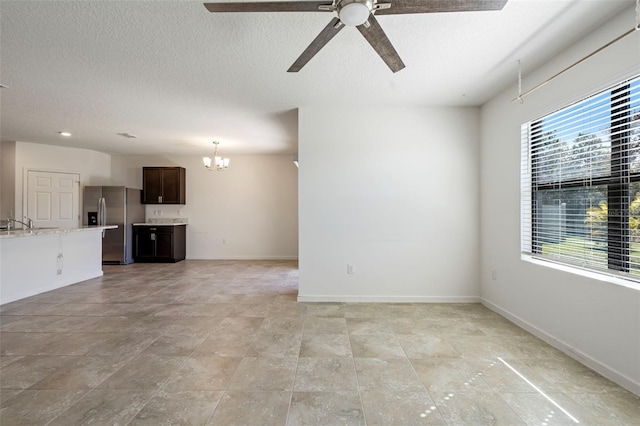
(580, 183)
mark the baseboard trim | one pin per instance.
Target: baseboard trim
(245, 258)
(390, 299)
(569, 350)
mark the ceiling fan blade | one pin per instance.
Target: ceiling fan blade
(381, 44)
(432, 6)
(269, 6)
(318, 43)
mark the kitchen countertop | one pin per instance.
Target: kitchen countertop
(16, 233)
(164, 221)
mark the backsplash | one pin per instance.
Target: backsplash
(168, 220)
(159, 212)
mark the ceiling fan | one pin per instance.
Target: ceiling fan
(360, 14)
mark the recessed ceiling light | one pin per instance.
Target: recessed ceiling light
(127, 135)
(65, 134)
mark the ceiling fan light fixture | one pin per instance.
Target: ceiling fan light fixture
(354, 13)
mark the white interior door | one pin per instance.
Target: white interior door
(53, 199)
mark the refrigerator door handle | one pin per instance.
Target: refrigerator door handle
(104, 211)
(102, 214)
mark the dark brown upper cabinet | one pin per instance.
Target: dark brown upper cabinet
(163, 185)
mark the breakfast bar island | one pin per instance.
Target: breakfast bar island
(33, 261)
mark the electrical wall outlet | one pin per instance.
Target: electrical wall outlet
(494, 275)
(60, 264)
(350, 269)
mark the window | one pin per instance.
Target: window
(580, 179)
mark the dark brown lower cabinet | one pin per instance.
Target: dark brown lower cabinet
(159, 243)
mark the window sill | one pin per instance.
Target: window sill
(582, 272)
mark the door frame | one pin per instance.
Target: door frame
(25, 187)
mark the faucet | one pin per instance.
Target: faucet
(28, 224)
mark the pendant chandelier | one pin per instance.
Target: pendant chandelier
(219, 163)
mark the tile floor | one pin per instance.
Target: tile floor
(226, 343)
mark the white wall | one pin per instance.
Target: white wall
(252, 206)
(393, 191)
(596, 321)
(94, 167)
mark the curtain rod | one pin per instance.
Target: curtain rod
(528, 92)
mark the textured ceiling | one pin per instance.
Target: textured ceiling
(179, 77)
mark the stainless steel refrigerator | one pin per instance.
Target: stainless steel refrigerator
(114, 205)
